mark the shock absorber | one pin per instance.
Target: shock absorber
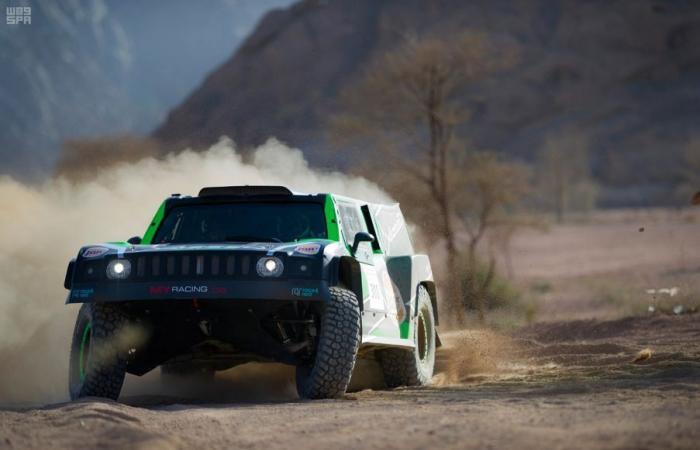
(281, 330)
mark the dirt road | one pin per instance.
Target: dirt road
(556, 385)
(563, 384)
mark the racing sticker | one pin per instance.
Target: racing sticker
(308, 249)
(304, 292)
(374, 294)
(82, 293)
(389, 293)
(186, 289)
(94, 252)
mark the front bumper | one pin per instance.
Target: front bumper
(188, 289)
(196, 272)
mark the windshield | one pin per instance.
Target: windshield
(242, 222)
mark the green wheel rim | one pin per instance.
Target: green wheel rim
(84, 344)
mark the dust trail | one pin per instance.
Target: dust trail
(476, 355)
(42, 227)
(253, 382)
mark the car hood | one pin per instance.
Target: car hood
(307, 247)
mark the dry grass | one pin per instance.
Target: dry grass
(605, 263)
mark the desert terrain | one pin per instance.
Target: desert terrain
(609, 358)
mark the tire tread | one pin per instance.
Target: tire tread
(337, 349)
(107, 369)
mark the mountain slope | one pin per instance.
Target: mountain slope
(623, 73)
(87, 68)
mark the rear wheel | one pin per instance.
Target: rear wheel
(328, 375)
(413, 367)
(97, 359)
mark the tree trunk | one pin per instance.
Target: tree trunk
(560, 195)
(454, 291)
(560, 205)
(472, 277)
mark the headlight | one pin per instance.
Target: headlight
(118, 269)
(269, 266)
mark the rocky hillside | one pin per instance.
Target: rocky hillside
(623, 73)
(95, 67)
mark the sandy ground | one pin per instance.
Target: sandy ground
(586, 374)
(557, 385)
(643, 241)
(605, 263)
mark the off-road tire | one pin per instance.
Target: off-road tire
(414, 367)
(339, 339)
(97, 357)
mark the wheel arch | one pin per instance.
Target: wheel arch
(349, 276)
(429, 286)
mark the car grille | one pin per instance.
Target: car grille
(191, 265)
(164, 265)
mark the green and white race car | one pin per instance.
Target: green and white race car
(255, 273)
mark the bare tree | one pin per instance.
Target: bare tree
(564, 174)
(407, 107)
(688, 188)
(490, 190)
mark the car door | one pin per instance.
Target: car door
(374, 304)
(393, 308)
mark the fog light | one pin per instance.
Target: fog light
(269, 266)
(118, 269)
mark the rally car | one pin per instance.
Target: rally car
(240, 274)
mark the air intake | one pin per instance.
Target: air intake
(243, 191)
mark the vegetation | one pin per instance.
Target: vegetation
(407, 108)
(688, 190)
(563, 172)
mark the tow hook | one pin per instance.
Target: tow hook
(205, 326)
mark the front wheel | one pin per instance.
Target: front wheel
(413, 367)
(339, 338)
(97, 359)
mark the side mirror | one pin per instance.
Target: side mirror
(136, 240)
(360, 237)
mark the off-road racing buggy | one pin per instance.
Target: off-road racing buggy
(255, 273)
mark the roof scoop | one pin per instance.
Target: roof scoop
(243, 191)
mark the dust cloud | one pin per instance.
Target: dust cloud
(42, 227)
(475, 355)
(248, 383)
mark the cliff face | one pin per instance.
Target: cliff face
(282, 80)
(51, 73)
(95, 67)
(625, 74)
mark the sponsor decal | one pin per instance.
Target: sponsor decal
(94, 252)
(304, 292)
(308, 249)
(159, 290)
(374, 289)
(189, 289)
(219, 290)
(389, 293)
(82, 293)
(184, 289)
